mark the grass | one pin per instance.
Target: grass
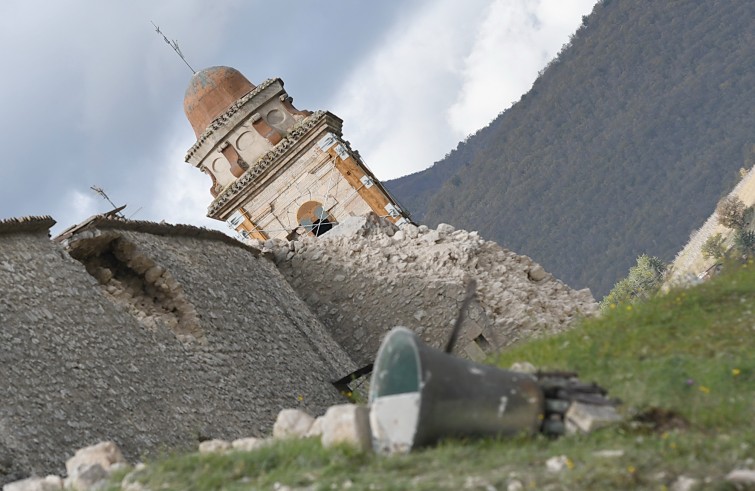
(682, 363)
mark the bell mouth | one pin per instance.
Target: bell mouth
(395, 393)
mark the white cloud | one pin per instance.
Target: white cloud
(181, 193)
(445, 72)
(393, 99)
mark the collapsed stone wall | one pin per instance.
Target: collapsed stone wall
(169, 338)
(365, 276)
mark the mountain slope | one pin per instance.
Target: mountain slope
(622, 146)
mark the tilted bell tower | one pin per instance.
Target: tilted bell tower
(276, 171)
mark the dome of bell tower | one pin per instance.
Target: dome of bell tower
(212, 91)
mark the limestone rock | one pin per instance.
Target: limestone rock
(684, 483)
(347, 423)
(49, 483)
(523, 367)
(411, 230)
(130, 483)
(537, 273)
(87, 478)
(292, 423)
(104, 453)
(741, 478)
(515, 485)
(214, 446)
(249, 444)
(609, 454)
(557, 464)
(588, 417)
(316, 429)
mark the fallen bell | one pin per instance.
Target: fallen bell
(419, 395)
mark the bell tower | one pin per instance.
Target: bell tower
(277, 172)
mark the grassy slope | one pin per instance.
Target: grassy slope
(689, 353)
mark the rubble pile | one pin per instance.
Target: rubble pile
(366, 276)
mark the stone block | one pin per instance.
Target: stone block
(87, 478)
(557, 464)
(316, 429)
(347, 423)
(292, 423)
(685, 483)
(49, 483)
(582, 417)
(537, 273)
(104, 453)
(523, 367)
(214, 446)
(249, 444)
(348, 227)
(741, 478)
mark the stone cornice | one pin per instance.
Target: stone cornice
(26, 224)
(224, 118)
(256, 170)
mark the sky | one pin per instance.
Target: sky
(90, 95)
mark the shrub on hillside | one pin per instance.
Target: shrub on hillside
(731, 212)
(714, 247)
(642, 282)
(744, 242)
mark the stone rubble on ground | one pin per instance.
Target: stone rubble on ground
(248, 444)
(365, 276)
(292, 423)
(685, 483)
(49, 483)
(584, 418)
(347, 423)
(557, 464)
(609, 454)
(523, 367)
(316, 429)
(741, 478)
(214, 446)
(90, 467)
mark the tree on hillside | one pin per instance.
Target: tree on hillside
(744, 241)
(714, 247)
(731, 212)
(643, 281)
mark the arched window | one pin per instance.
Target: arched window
(314, 218)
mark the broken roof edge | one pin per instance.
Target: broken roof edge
(101, 222)
(41, 223)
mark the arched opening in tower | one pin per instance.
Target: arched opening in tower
(313, 218)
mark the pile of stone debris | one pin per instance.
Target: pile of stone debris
(366, 276)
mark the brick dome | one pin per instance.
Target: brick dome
(212, 91)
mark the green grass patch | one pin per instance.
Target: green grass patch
(686, 356)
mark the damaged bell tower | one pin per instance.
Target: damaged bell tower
(276, 171)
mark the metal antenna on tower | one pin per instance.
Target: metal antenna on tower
(173, 44)
(116, 209)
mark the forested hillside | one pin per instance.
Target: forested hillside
(623, 145)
